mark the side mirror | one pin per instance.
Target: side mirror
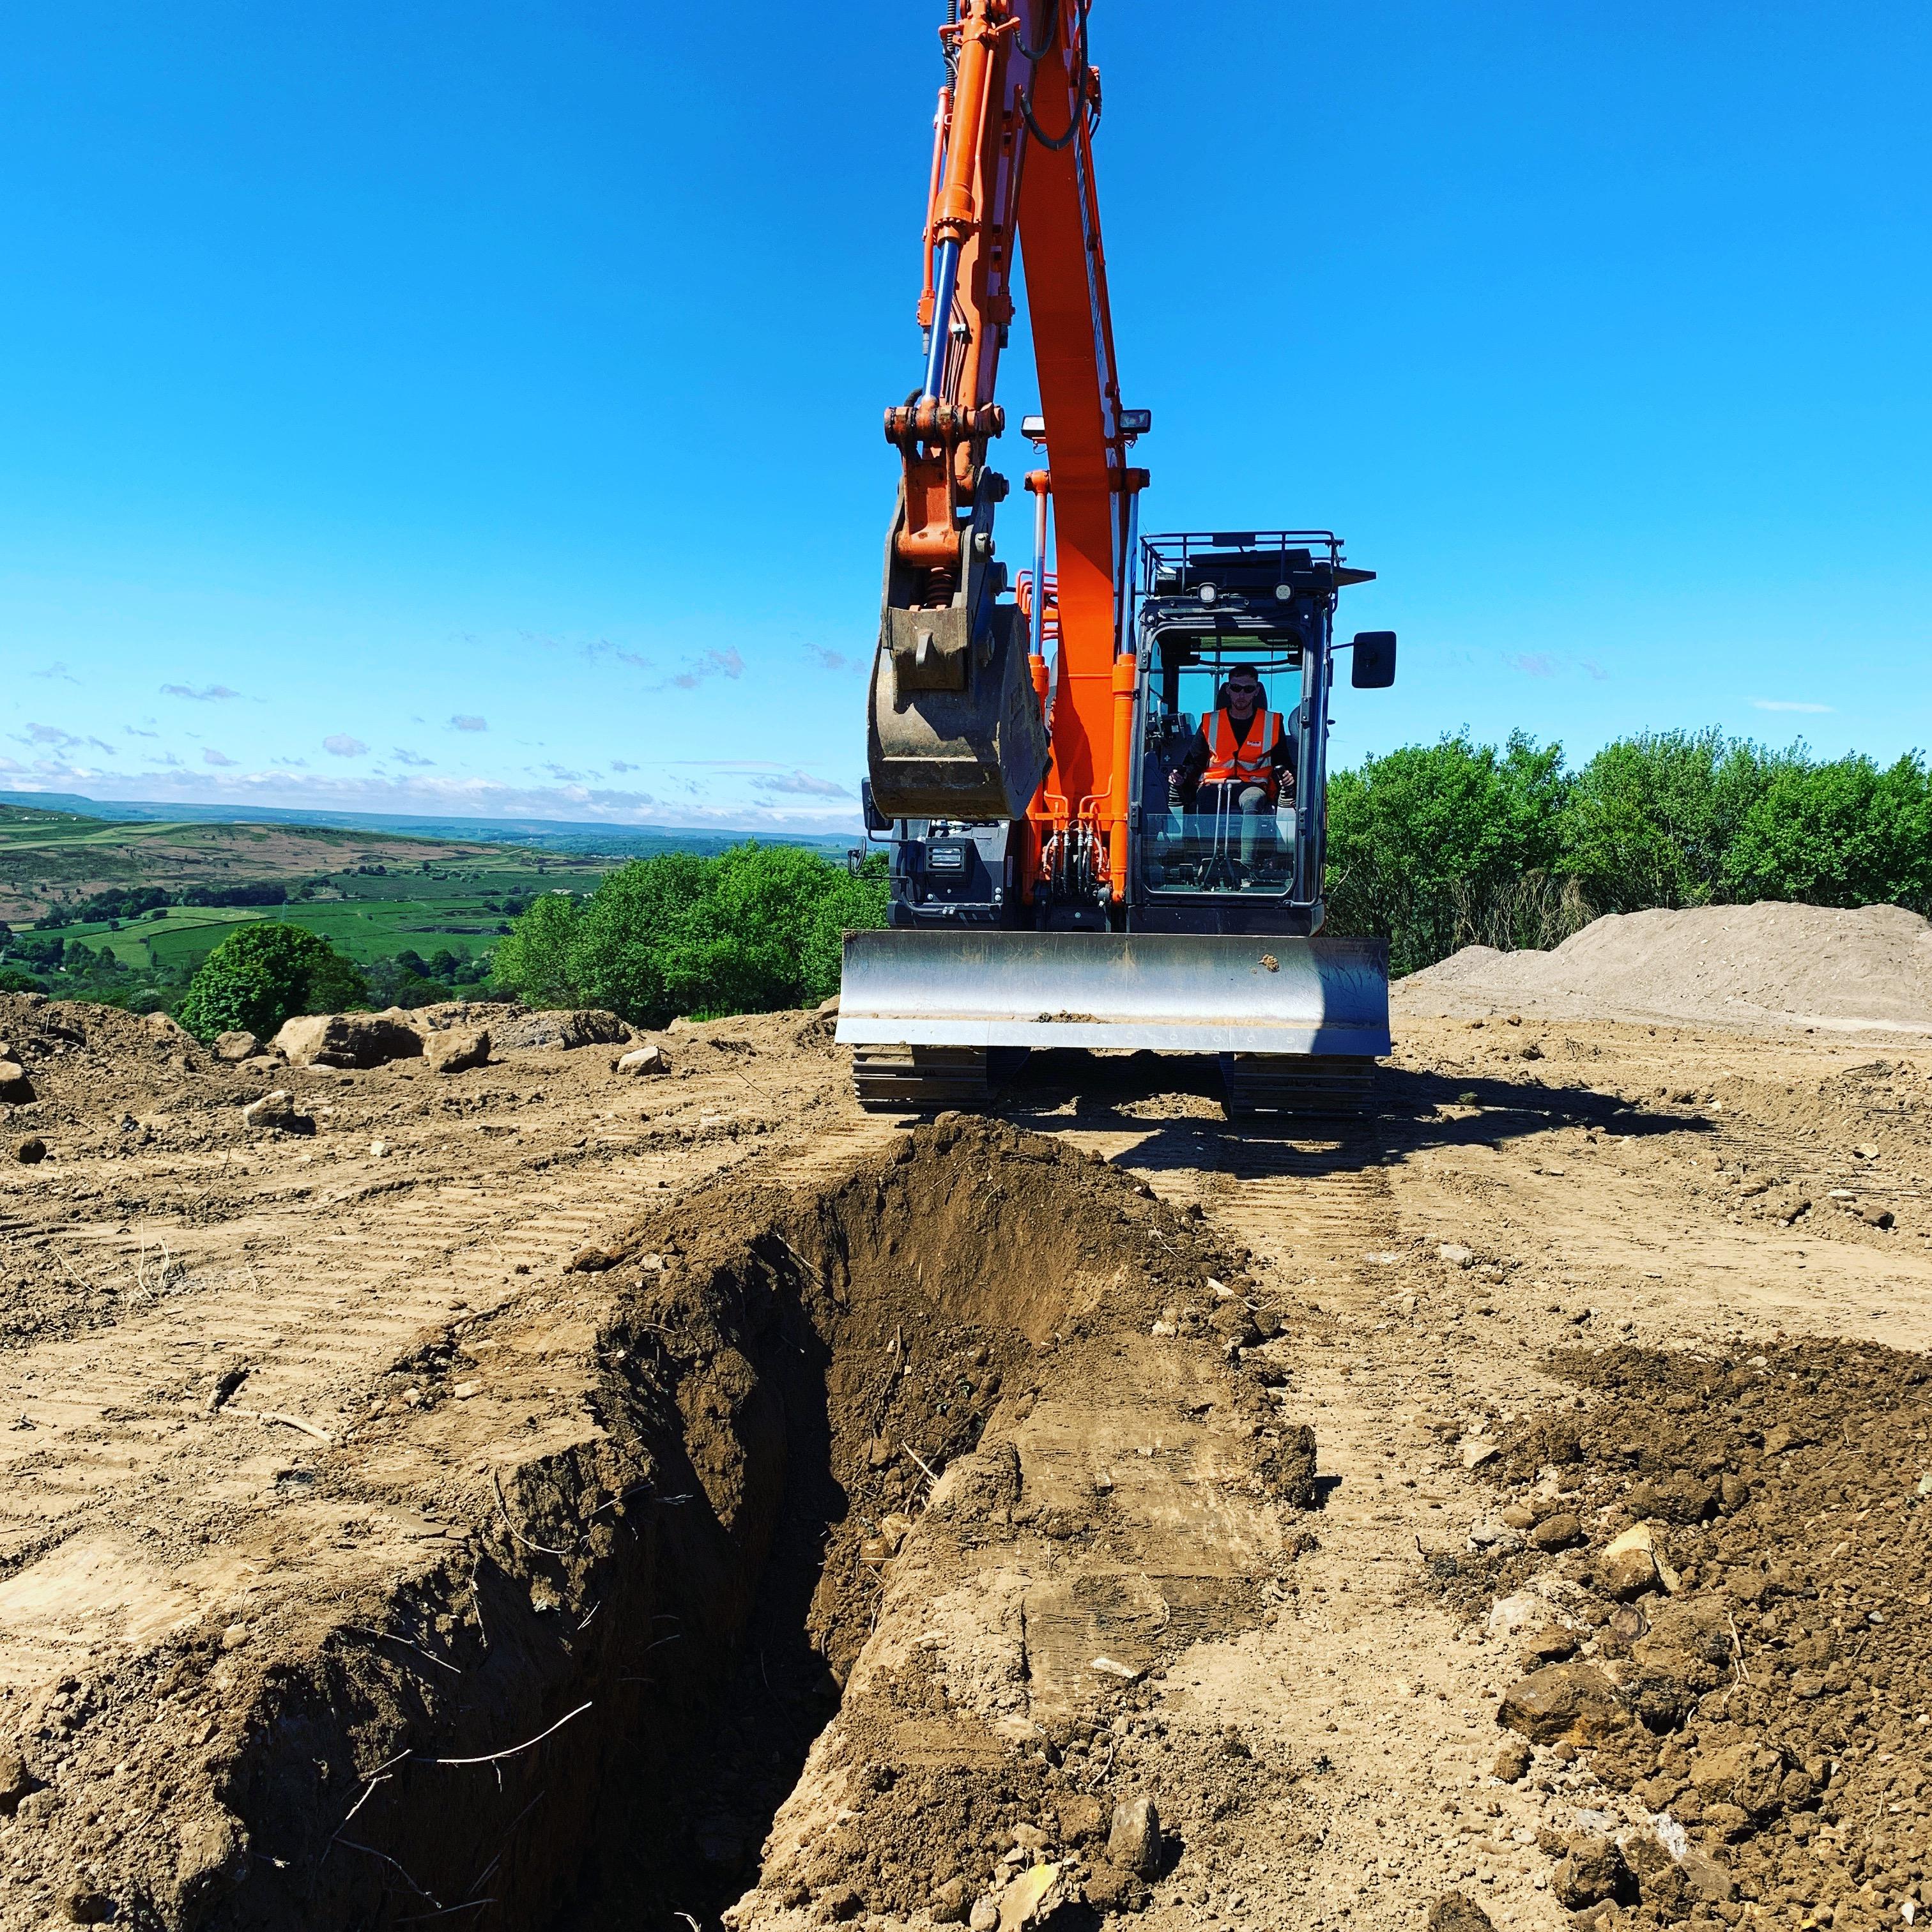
(875, 820)
(1373, 668)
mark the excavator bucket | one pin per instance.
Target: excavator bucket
(956, 731)
(1297, 1023)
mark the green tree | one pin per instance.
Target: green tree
(1432, 845)
(1650, 820)
(1842, 832)
(263, 973)
(758, 927)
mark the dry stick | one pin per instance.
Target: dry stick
(350, 1844)
(915, 1456)
(543, 1549)
(496, 1757)
(1100, 1776)
(476, 1598)
(364, 1630)
(276, 1415)
(380, 1775)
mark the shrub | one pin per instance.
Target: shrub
(757, 929)
(261, 974)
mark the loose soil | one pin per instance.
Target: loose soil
(691, 1501)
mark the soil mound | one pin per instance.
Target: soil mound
(1767, 964)
(1763, 1689)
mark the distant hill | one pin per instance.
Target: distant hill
(549, 835)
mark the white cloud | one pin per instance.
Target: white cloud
(717, 662)
(464, 722)
(409, 757)
(1790, 704)
(210, 756)
(208, 694)
(801, 784)
(57, 671)
(340, 745)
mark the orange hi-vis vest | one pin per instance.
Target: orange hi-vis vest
(1247, 763)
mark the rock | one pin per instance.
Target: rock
(347, 1039)
(16, 1781)
(30, 1150)
(1573, 1703)
(1035, 1896)
(1133, 1839)
(166, 1028)
(1455, 1254)
(948, 1903)
(277, 1112)
(643, 1061)
(593, 1261)
(586, 1027)
(458, 1050)
(1628, 1566)
(87, 1907)
(829, 1008)
(1592, 1871)
(1513, 1762)
(985, 1917)
(1457, 1912)
(1476, 1450)
(14, 1084)
(1557, 1532)
(1876, 1216)
(236, 1046)
(1707, 1878)
(1786, 1435)
(1550, 1644)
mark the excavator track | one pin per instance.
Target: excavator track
(916, 1079)
(1310, 1087)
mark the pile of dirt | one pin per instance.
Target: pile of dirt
(1767, 964)
(1756, 1676)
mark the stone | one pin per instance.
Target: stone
(1749, 1775)
(839, 1902)
(1513, 1762)
(1133, 1839)
(1876, 1216)
(1550, 1644)
(236, 1046)
(1628, 1566)
(30, 1150)
(1707, 1878)
(458, 1050)
(16, 1781)
(166, 1028)
(985, 1917)
(1035, 1896)
(1457, 1912)
(347, 1039)
(277, 1112)
(643, 1062)
(14, 1084)
(592, 1260)
(829, 1008)
(568, 1028)
(948, 1904)
(1557, 1532)
(87, 1906)
(1570, 1703)
(1454, 1255)
(1590, 1871)
(1477, 1450)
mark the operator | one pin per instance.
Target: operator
(1241, 760)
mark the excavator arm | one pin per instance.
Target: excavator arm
(959, 715)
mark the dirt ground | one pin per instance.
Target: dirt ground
(686, 1501)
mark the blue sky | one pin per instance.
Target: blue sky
(475, 409)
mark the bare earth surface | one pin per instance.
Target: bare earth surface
(871, 1510)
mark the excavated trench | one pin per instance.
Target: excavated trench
(780, 1377)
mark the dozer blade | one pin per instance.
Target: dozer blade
(1172, 992)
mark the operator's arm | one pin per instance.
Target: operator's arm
(1286, 754)
(1187, 776)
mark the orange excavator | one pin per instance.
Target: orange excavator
(1084, 852)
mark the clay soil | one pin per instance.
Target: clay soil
(691, 1502)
